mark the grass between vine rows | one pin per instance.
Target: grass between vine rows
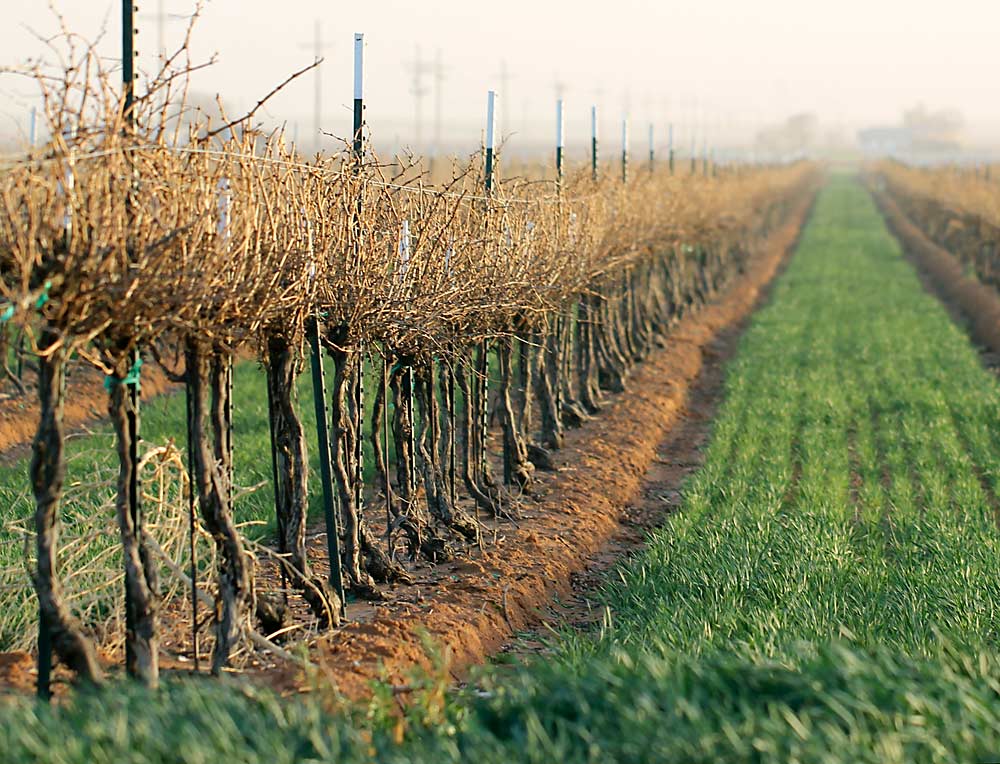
(826, 593)
(92, 469)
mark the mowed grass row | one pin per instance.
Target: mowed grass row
(827, 593)
(849, 488)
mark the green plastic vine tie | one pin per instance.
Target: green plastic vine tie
(8, 312)
(132, 378)
(44, 296)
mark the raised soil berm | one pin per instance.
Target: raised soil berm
(472, 607)
(971, 302)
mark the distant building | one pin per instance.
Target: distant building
(886, 141)
(922, 133)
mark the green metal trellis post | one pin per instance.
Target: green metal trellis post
(359, 152)
(32, 140)
(651, 147)
(625, 150)
(484, 389)
(670, 147)
(593, 143)
(129, 54)
(325, 463)
(560, 144)
(490, 139)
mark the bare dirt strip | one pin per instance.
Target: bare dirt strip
(616, 477)
(677, 457)
(585, 516)
(86, 404)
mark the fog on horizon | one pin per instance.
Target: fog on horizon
(721, 71)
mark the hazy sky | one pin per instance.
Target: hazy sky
(721, 63)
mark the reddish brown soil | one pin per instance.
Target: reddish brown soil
(86, 403)
(472, 607)
(616, 477)
(677, 457)
(17, 671)
(970, 302)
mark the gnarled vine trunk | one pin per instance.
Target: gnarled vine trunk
(362, 557)
(435, 486)
(547, 387)
(518, 469)
(587, 364)
(470, 423)
(234, 598)
(291, 490)
(415, 518)
(345, 471)
(48, 471)
(141, 574)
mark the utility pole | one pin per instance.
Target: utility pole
(161, 39)
(161, 43)
(438, 101)
(560, 88)
(318, 95)
(505, 89)
(418, 68)
(161, 17)
(318, 48)
(505, 111)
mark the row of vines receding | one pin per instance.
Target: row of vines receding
(452, 336)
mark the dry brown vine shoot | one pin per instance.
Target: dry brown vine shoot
(488, 324)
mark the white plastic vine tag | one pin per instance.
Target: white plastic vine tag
(404, 250)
